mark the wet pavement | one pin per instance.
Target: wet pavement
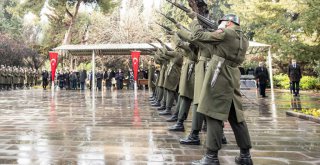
(120, 127)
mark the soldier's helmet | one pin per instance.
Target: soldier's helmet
(230, 17)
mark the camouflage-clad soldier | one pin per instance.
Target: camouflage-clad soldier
(22, 77)
(220, 97)
(173, 74)
(10, 77)
(29, 77)
(15, 77)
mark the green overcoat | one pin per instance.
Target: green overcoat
(217, 96)
(174, 69)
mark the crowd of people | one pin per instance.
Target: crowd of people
(73, 80)
(15, 77)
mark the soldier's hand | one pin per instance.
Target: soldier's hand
(192, 14)
(171, 32)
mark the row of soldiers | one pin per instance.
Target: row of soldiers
(201, 69)
(17, 77)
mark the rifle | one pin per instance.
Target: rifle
(165, 27)
(172, 20)
(167, 47)
(206, 22)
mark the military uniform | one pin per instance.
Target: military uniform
(1, 77)
(172, 76)
(220, 97)
(151, 71)
(186, 86)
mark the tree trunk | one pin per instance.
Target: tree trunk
(67, 36)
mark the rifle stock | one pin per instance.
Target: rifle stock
(167, 47)
(208, 23)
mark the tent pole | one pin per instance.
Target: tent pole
(270, 68)
(93, 63)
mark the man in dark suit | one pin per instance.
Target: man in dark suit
(262, 76)
(108, 77)
(294, 73)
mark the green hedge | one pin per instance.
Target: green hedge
(307, 82)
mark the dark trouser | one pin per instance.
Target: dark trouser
(295, 87)
(82, 85)
(99, 84)
(262, 87)
(176, 112)
(171, 96)
(160, 92)
(119, 84)
(215, 130)
(184, 107)
(197, 118)
(108, 84)
(44, 84)
(74, 84)
(164, 97)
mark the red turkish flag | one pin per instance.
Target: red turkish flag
(53, 63)
(135, 55)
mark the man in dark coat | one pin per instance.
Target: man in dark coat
(262, 77)
(61, 79)
(119, 77)
(99, 77)
(294, 73)
(83, 77)
(108, 78)
(45, 76)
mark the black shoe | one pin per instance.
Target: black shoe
(173, 118)
(192, 139)
(166, 112)
(224, 139)
(157, 104)
(244, 158)
(161, 108)
(179, 127)
(208, 159)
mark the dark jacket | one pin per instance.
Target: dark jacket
(294, 73)
(83, 76)
(261, 73)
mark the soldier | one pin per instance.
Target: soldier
(2, 77)
(5, 78)
(173, 74)
(160, 81)
(186, 86)
(22, 78)
(151, 78)
(15, 78)
(220, 97)
(204, 50)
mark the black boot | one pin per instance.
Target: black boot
(210, 158)
(166, 112)
(173, 118)
(157, 104)
(177, 127)
(224, 139)
(244, 158)
(192, 139)
(163, 107)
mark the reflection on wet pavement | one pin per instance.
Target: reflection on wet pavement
(117, 127)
